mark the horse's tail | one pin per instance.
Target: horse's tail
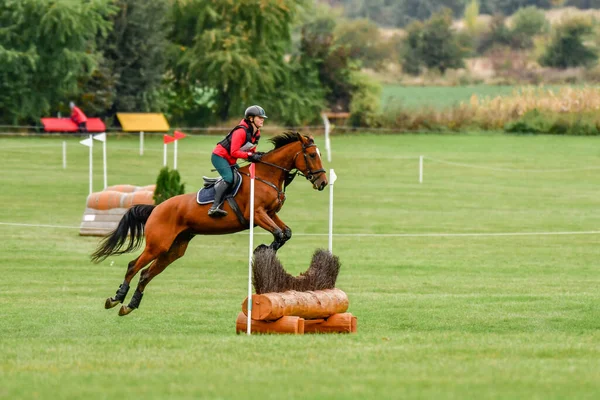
(132, 225)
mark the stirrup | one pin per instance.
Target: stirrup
(217, 212)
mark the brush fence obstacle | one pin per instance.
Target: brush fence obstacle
(318, 311)
(104, 209)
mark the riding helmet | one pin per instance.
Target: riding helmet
(255, 111)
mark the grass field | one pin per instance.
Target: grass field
(480, 282)
(442, 96)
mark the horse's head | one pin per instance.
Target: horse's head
(295, 151)
(310, 164)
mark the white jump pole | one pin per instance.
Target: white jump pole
(141, 143)
(102, 138)
(327, 141)
(91, 164)
(89, 142)
(176, 136)
(175, 156)
(420, 169)
(250, 249)
(64, 149)
(164, 155)
(104, 161)
(332, 177)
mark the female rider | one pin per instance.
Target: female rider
(241, 143)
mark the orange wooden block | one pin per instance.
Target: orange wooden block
(287, 324)
(104, 200)
(109, 199)
(141, 197)
(337, 323)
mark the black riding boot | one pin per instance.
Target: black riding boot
(220, 190)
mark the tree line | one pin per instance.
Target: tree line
(200, 61)
(400, 13)
(204, 61)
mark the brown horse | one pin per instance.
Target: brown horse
(169, 226)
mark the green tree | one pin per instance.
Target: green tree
(411, 49)
(235, 51)
(131, 70)
(434, 44)
(471, 14)
(302, 96)
(567, 48)
(332, 61)
(364, 42)
(526, 24)
(45, 47)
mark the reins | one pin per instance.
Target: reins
(290, 174)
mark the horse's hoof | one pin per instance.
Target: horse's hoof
(125, 310)
(110, 303)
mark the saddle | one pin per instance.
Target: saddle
(206, 195)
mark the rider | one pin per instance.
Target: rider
(239, 143)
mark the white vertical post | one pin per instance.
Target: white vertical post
(327, 141)
(104, 162)
(250, 249)
(91, 155)
(89, 142)
(332, 177)
(164, 155)
(175, 156)
(102, 138)
(64, 148)
(420, 169)
(141, 143)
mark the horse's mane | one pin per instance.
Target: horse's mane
(287, 138)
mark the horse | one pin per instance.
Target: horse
(169, 226)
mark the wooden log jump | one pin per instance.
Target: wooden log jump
(104, 209)
(318, 311)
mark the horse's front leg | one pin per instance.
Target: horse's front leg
(262, 219)
(286, 232)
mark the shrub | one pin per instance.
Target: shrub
(365, 104)
(575, 124)
(532, 122)
(167, 185)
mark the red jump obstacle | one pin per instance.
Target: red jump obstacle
(94, 125)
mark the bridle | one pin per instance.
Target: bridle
(290, 173)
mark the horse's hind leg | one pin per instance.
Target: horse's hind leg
(176, 251)
(132, 268)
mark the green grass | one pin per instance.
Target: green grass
(442, 96)
(441, 314)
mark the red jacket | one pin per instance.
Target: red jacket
(78, 116)
(240, 148)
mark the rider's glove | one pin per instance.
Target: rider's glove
(255, 157)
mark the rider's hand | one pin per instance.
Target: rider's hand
(255, 157)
